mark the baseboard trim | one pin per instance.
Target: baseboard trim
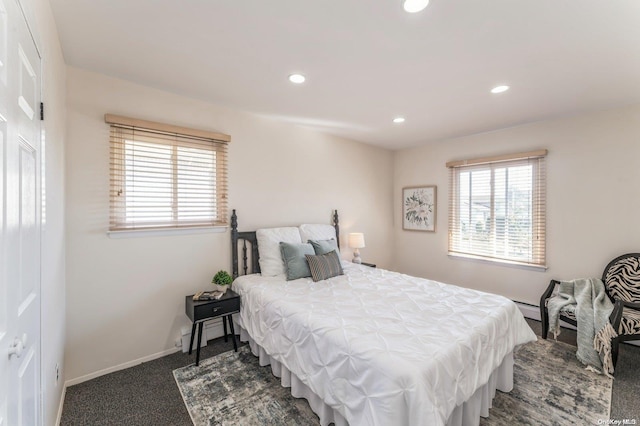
(119, 367)
(61, 405)
(214, 330)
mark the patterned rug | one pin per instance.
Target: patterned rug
(233, 389)
(550, 387)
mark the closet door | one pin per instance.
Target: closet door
(20, 191)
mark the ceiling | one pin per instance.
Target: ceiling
(368, 61)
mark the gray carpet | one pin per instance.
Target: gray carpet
(147, 394)
(138, 396)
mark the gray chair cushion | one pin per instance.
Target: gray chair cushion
(571, 314)
(630, 323)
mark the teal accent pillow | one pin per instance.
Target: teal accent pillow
(325, 246)
(295, 263)
(324, 266)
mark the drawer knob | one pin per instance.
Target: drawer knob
(215, 309)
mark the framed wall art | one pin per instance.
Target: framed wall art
(419, 208)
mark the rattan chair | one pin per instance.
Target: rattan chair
(621, 280)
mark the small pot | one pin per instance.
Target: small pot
(222, 288)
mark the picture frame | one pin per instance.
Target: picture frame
(419, 205)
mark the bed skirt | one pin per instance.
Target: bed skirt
(465, 414)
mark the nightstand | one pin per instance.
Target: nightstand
(370, 265)
(201, 311)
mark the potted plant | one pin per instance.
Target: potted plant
(222, 280)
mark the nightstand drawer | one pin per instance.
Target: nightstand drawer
(216, 308)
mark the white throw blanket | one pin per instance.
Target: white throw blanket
(588, 299)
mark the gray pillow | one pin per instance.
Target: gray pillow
(295, 263)
(325, 246)
(324, 266)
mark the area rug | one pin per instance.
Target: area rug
(550, 387)
(233, 389)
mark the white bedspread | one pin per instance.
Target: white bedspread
(380, 347)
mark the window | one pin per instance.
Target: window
(165, 177)
(497, 208)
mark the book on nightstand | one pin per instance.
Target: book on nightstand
(208, 295)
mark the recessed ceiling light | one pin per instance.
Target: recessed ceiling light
(297, 78)
(413, 6)
(398, 120)
(499, 89)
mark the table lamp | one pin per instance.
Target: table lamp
(356, 241)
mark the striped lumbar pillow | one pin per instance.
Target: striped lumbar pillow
(324, 266)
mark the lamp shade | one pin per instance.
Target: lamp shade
(413, 6)
(356, 240)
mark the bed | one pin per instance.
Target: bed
(375, 347)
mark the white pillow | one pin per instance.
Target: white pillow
(317, 232)
(271, 263)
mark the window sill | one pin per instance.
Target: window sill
(137, 233)
(500, 262)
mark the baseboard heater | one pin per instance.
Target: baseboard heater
(212, 330)
(533, 312)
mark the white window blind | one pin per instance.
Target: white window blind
(497, 208)
(165, 176)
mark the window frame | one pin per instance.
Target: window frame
(173, 138)
(537, 257)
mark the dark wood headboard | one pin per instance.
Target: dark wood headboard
(239, 241)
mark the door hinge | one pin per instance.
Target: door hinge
(41, 111)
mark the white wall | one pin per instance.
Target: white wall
(125, 297)
(43, 28)
(593, 204)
